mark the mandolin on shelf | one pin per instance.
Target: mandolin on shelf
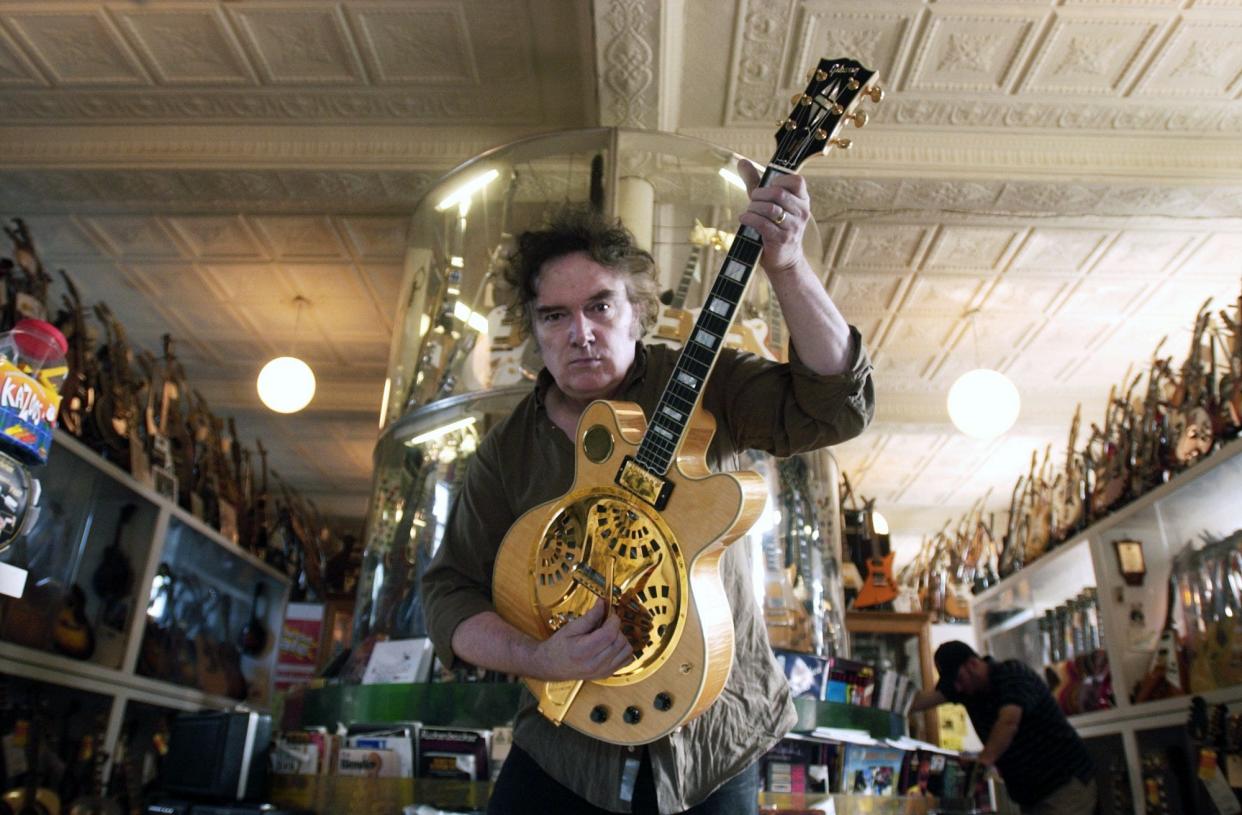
(645, 522)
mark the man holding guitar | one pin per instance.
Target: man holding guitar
(587, 294)
(1042, 759)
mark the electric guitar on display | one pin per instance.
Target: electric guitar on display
(645, 522)
(878, 589)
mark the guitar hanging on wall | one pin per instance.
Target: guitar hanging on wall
(645, 522)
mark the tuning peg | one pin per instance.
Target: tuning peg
(876, 93)
(852, 85)
(820, 76)
(821, 135)
(859, 118)
(836, 109)
(790, 124)
(843, 143)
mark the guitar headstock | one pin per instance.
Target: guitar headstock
(833, 93)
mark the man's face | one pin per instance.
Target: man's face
(972, 677)
(585, 326)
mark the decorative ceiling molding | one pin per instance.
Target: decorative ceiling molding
(24, 192)
(975, 154)
(628, 62)
(337, 147)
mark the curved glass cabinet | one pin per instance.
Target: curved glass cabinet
(458, 364)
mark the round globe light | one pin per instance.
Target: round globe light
(983, 403)
(286, 384)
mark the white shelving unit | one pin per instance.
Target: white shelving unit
(1197, 502)
(87, 493)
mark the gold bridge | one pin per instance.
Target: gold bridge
(603, 529)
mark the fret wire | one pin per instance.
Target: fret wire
(663, 442)
(696, 359)
(660, 451)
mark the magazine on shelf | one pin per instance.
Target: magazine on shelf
(871, 770)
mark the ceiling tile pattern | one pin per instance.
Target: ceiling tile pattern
(1050, 187)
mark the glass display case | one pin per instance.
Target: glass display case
(459, 362)
(133, 609)
(84, 555)
(213, 618)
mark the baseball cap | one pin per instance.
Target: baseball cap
(949, 657)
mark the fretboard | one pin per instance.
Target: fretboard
(668, 424)
(692, 264)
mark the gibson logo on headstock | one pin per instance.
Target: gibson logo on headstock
(842, 69)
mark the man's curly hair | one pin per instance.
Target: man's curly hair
(578, 228)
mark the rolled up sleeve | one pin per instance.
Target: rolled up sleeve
(788, 408)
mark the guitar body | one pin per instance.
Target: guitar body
(72, 633)
(40, 801)
(662, 567)
(878, 587)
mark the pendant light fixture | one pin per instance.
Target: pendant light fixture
(983, 403)
(287, 384)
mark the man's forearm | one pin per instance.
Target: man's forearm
(816, 328)
(487, 641)
(925, 699)
(999, 740)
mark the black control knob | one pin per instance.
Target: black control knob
(632, 715)
(663, 701)
(599, 714)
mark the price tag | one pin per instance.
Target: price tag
(12, 580)
(629, 774)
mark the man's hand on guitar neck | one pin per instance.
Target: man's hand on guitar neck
(780, 213)
(590, 647)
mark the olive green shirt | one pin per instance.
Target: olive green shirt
(526, 460)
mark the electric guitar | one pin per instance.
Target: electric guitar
(645, 523)
(879, 588)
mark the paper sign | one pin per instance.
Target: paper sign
(399, 661)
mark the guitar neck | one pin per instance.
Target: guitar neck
(683, 287)
(698, 356)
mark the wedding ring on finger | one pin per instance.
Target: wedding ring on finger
(780, 216)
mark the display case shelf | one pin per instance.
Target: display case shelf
(1198, 503)
(455, 704)
(94, 513)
